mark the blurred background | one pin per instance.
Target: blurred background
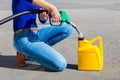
(113, 4)
(93, 17)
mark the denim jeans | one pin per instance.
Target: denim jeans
(36, 45)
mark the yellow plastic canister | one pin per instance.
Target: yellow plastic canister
(90, 56)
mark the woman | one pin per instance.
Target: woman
(35, 43)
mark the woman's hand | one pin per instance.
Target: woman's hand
(47, 6)
(43, 16)
(55, 15)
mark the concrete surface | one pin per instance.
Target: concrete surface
(92, 22)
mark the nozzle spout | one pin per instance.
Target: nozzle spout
(80, 35)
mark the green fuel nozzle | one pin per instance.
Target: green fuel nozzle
(65, 18)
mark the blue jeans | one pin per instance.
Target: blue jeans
(36, 45)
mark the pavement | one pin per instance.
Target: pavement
(92, 22)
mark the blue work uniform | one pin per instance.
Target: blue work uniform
(36, 45)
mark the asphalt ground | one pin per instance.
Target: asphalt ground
(92, 22)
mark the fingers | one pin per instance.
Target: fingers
(43, 16)
(56, 16)
(56, 19)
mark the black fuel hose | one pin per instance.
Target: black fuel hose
(19, 14)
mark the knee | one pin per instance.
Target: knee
(68, 29)
(60, 66)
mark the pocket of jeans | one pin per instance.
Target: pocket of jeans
(33, 36)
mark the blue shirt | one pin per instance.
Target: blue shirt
(27, 20)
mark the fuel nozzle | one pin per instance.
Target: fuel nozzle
(65, 18)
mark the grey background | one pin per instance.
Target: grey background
(93, 18)
(6, 4)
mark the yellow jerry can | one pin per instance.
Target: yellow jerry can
(90, 56)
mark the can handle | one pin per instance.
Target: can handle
(99, 39)
(100, 46)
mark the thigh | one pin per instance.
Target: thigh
(48, 33)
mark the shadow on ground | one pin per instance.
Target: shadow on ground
(9, 62)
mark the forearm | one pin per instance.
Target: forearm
(44, 4)
(54, 12)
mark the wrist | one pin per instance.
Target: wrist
(51, 7)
